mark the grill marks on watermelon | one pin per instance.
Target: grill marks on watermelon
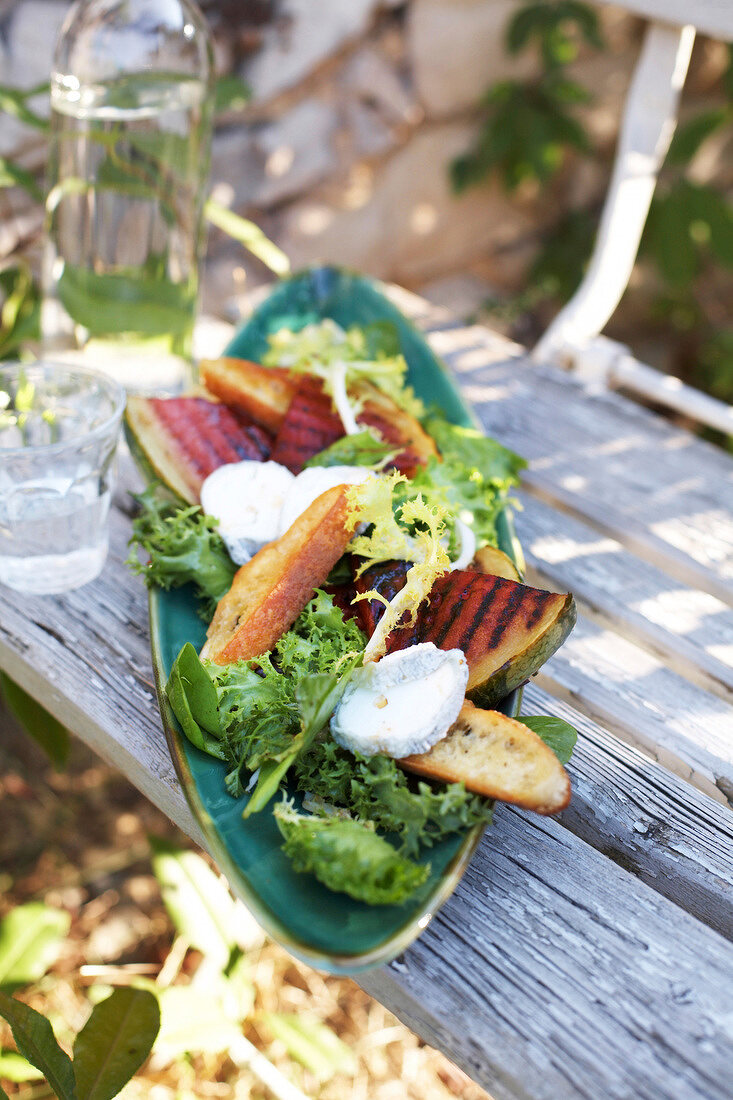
(405, 461)
(465, 610)
(475, 611)
(210, 435)
(311, 424)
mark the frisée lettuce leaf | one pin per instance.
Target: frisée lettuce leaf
(182, 546)
(348, 856)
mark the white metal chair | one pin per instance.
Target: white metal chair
(573, 340)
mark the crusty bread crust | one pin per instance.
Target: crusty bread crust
(497, 757)
(271, 590)
(264, 393)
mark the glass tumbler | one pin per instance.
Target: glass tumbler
(59, 427)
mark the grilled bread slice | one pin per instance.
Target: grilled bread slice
(497, 757)
(271, 590)
(264, 393)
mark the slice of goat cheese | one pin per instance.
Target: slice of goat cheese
(247, 498)
(310, 483)
(403, 704)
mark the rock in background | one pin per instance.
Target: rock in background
(343, 153)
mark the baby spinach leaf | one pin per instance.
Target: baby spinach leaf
(556, 733)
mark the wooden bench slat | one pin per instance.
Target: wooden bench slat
(569, 978)
(690, 629)
(646, 819)
(626, 472)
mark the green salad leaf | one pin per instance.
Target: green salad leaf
(182, 546)
(555, 732)
(342, 357)
(473, 478)
(317, 696)
(360, 449)
(375, 788)
(348, 856)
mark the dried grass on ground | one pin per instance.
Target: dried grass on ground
(78, 840)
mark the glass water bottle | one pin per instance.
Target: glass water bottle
(131, 109)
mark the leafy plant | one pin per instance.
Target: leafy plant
(529, 126)
(45, 730)
(108, 1051)
(30, 939)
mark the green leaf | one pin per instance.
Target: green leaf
(13, 102)
(30, 938)
(14, 1067)
(317, 695)
(12, 175)
(312, 1043)
(177, 691)
(231, 93)
(248, 234)
(346, 855)
(36, 1041)
(690, 136)
(556, 733)
(114, 1042)
(20, 313)
(197, 900)
(193, 1021)
(37, 722)
(200, 690)
(127, 301)
(361, 449)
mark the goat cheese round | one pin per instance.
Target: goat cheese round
(247, 498)
(403, 704)
(310, 483)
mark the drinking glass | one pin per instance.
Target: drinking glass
(59, 427)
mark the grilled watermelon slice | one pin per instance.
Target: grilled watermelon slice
(507, 630)
(181, 440)
(311, 424)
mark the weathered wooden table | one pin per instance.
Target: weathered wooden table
(587, 956)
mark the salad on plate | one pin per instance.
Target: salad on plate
(364, 629)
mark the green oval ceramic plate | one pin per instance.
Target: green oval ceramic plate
(330, 931)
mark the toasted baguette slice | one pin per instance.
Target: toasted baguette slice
(271, 590)
(497, 757)
(264, 393)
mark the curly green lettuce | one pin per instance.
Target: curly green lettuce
(473, 476)
(376, 788)
(348, 856)
(181, 546)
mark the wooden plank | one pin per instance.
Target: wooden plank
(646, 819)
(553, 973)
(658, 490)
(634, 695)
(713, 17)
(691, 630)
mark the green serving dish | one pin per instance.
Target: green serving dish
(327, 930)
